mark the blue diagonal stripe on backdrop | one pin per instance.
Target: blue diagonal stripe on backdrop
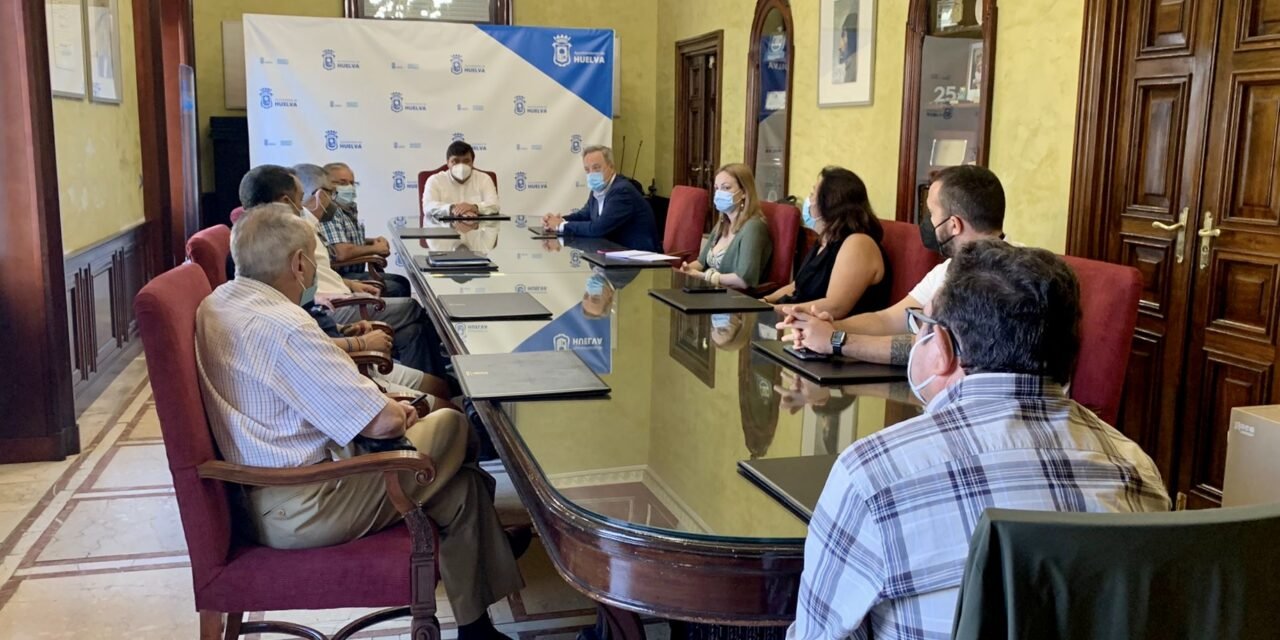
(580, 60)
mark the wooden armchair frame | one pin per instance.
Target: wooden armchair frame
(422, 533)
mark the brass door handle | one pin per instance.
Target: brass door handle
(1180, 244)
(1207, 233)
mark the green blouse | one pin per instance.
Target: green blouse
(747, 255)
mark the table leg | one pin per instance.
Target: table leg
(614, 624)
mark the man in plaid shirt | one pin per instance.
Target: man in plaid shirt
(344, 234)
(992, 353)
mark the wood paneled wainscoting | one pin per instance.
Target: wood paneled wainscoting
(101, 282)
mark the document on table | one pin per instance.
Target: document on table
(639, 256)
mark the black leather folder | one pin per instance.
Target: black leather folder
(473, 307)
(833, 371)
(429, 233)
(425, 264)
(728, 301)
(795, 482)
(538, 375)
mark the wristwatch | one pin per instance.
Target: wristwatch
(837, 342)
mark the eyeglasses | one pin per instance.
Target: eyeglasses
(917, 321)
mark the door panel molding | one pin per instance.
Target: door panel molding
(1250, 168)
(1229, 381)
(1259, 25)
(1243, 296)
(1167, 28)
(1156, 146)
(1154, 259)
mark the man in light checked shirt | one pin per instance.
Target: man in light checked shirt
(889, 537)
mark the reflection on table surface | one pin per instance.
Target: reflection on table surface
(690, 397)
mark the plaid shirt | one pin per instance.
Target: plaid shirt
(343, 228)
(889, 538)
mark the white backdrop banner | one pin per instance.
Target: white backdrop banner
(387, 97)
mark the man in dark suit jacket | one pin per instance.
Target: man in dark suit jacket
(615, 210)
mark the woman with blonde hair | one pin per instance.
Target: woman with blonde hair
(738, 251)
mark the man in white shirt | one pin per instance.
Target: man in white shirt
(461, 190)
(280, 394)
(966, 204)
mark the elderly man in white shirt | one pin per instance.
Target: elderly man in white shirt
(280, 394)
(461, 190)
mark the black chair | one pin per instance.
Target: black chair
(1188, 574)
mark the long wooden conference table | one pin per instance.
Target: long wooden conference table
(637, 497)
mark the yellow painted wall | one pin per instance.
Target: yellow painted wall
(208, 16)
(1037, 64)
(100, 156)
(636, 25)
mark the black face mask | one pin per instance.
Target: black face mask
(929, 236)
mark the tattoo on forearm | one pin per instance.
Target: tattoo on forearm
(900, 350)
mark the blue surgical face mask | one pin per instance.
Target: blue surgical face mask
(724, 201)
(309, 293)
(596, 284)
(807, 213)
(346, 194)
(595, 180)
(721, 320)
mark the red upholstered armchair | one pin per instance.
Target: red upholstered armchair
(908, 258)
(232, 576)
(686, 219)
(1109, 295)
(784, 229)
(422, 186)
(209, 249)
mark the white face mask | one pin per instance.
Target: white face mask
(918, 388)
(460, 172)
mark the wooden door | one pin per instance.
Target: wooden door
(1236, 292)
(697, 143)
(1162, 114)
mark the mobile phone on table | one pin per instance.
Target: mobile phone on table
(703, 289)
(805, 354)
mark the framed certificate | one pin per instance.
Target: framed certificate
(103, 22)
(64, 26)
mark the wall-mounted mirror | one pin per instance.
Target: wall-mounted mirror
(768, 126)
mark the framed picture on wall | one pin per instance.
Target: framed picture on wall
(472, 11)
(103, 21)
(64, 27)
(846, 52)
(974, 93)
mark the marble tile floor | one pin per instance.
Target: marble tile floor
(92, 546)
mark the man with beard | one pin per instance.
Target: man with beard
(966, 204)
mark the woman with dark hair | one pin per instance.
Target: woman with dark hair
(846, 271)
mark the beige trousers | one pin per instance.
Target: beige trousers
(476, 563)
